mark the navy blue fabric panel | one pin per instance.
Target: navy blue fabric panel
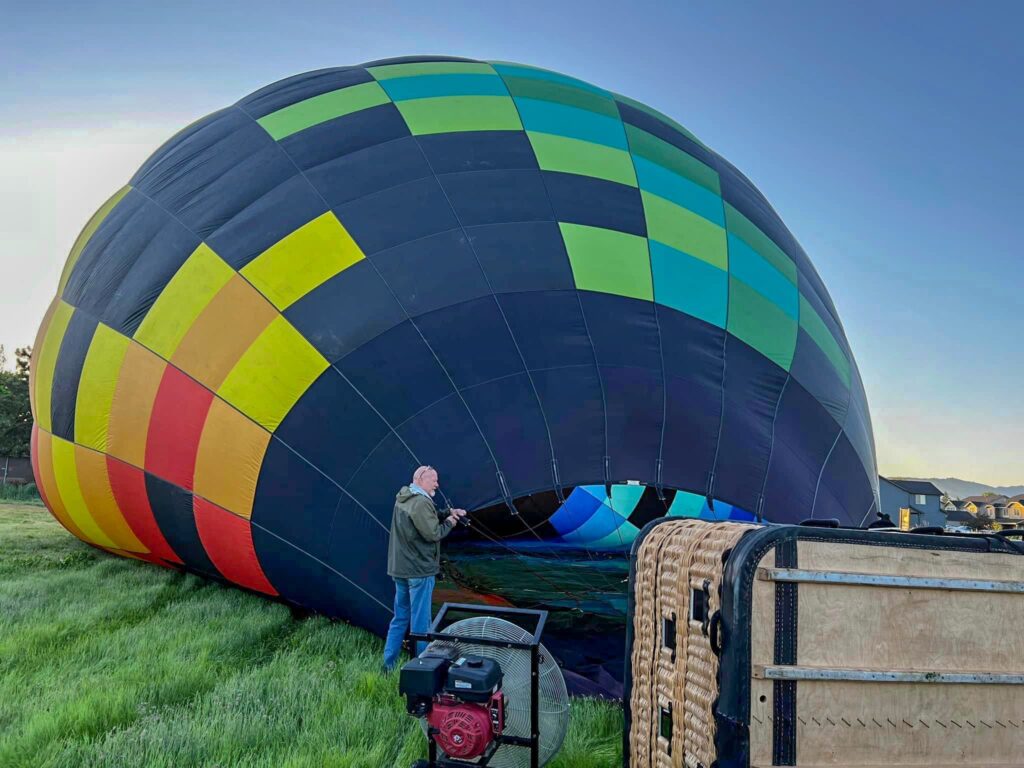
(571, 398)
(596, 203)
(432, 272)
(665, 132)
(560, 340)
(344, 135)
(348, 310)
(154, 266)
(369, 170)
(112, 251)
(510, 418)
(753, 386)
(359, 547)
(221, 120)
(472, 341)
(858, 426)
(844, 483)
(388, 467)
(332, 427)
(494, 197)
(266, 220)
(172, 508)
(804, 434)
(291, 90)
(478, 151)
(414, 60)
(625, 331)
(635, 415)
(397, 372)
(813, 297)
(748, 200)
(694, 370)
(397, 215)
(293, 501)
(68, 372)
(445, 437)
(816, 373)
(540, 263)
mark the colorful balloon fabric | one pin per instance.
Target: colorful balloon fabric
(547, 290)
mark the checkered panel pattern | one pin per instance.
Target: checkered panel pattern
(507, 271)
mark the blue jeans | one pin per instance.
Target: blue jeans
(412, 611)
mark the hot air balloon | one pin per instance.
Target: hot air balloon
(557, 295)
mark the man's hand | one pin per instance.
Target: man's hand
(456, 515)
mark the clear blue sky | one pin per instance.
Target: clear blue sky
(888, 135)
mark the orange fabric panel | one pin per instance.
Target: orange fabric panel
(99, 498)
(222, 332)
(230, 456)
(134, 394)
(227, 539)
(43, 454)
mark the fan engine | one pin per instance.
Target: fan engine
(486, 691)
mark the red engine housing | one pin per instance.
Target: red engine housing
(464, 729)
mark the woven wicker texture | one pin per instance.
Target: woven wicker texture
(676, 559)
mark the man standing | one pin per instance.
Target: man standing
(414, 556)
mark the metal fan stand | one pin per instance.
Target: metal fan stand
(535, 618)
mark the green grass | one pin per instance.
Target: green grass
(112, 662)
(23, 494)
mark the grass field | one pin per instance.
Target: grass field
(111, 662)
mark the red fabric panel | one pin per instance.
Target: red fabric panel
(227, 539)
(129, 486)
(175, 427)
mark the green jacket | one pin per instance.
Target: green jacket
(414, 550)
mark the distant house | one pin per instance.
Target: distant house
(998, 510)
(1015, 507)
(919, 497)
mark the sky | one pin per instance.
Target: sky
(887, 136)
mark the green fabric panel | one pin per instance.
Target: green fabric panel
(685, 231)
(815, 327)
(608, 261)
(560, 153)
(389, 71)
(532, 88)
(658, 151)
(320, 109)
(450, 114)
(744, 228)
(86, 234)
(659, 116)
(761, 324)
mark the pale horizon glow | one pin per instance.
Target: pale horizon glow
(896, 198)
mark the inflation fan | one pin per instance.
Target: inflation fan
(486, 691)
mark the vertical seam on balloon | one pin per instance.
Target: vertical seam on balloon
(725, 338)
(605, 458)
(273, 436)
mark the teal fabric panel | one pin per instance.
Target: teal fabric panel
(748, 265)
(681, 191)
(689, 285)
(563, 120)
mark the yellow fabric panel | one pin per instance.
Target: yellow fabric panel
(46, 360)
(87, 233)
(37, 348)
(222, 332)
(272, 374)
(297, 264)
(66, 472)
(130, 409)
(184, 297)
(48, 483)
(230, 456)
(99, 499)
(96, 387)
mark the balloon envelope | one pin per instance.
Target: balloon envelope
(557, 295)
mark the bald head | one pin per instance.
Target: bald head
(426, 478)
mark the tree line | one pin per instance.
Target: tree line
(15, 408)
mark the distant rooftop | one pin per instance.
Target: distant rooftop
(921, 487)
